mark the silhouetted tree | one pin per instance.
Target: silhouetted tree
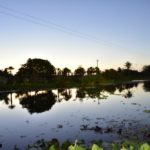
(9, 69)
(110, 74)
(80, 71)
(128, 65)
(97, 71)
(5, 77)
(36, 68)
(66, 71)
(146, 70)
(119, 69)
(90, 71)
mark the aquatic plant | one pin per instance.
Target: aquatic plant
(96, 147)
(54, 145)
(145, 146)
(147, 111)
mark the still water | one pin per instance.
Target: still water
(106, 113)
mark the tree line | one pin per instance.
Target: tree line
(39, 69)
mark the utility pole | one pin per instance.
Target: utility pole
(97, 61)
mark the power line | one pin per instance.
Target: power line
(36, 18)
(45, 22)
(49, 24)
(44, 25)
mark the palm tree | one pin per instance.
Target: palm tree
(128, 65)
(58, 72)
(66, 71)
(9, 69)
(146, 68)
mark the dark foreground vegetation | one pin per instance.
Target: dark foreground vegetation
(41, 74)
(95, 145)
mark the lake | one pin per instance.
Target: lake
(108, 113)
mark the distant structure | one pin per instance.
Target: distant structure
(97, 61)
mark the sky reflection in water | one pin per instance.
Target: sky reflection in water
(75, 114)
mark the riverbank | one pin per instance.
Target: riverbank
(86, 82)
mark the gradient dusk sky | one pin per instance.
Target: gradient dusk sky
(75, 32)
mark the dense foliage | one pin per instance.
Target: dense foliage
(36, 68)
(36, 71)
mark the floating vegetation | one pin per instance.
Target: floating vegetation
(147, 111)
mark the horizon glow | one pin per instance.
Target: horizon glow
(121, 27)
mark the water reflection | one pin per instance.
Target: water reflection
(146, 86)
(80, 93)
(128, 86)
(116, 117)
(11, 106)
(128, 94)
(4, 97)
(39, 102)
(66, 93)
(7, 98)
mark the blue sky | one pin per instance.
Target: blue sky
(121, 29)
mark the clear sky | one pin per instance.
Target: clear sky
(75, 32)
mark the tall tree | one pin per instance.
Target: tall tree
(146, 70)
(80, 71)
(36, 68)
(97, 70)
(90, 71)
(66, 71)
(9, 69)
(128, 65)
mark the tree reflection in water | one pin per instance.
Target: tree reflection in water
(4, 97)
(39, 102)
(128, 94)
(146, 86)
(66, 93)
(80, 93)
(11, 106)
(90, 93)
(7, 98)
(42, 101)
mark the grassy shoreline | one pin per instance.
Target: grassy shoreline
(33, 86)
